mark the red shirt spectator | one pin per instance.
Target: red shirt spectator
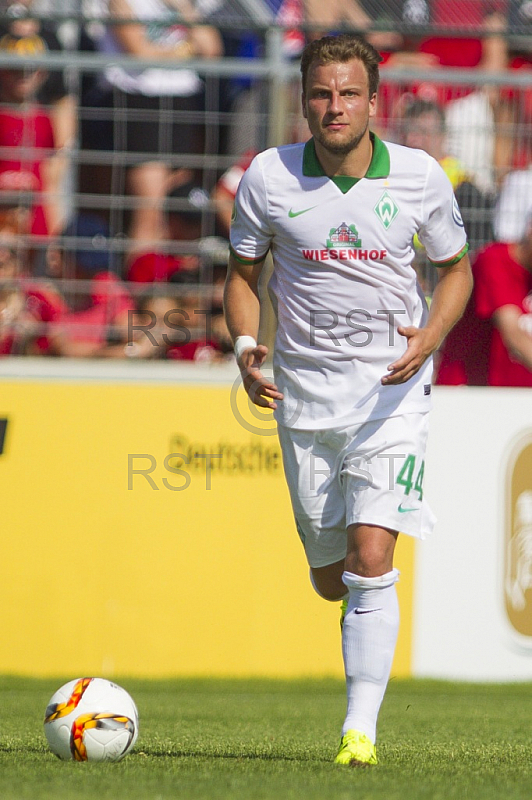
(459, 16)
(153, 267)
(110, 306)
(25, 127)
(475, 352)
(35, 305)
(27, 132)
(202, 351)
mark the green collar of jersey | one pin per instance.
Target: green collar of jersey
(379, 166)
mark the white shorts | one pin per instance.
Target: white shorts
(370, 473)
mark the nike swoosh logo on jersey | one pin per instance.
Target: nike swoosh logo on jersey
(293, 214)
(366, 610)
(402, 510)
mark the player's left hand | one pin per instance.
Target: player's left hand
(421, 343)
(260, 389)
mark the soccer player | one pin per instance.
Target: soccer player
(352, 360)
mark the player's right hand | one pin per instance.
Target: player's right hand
(260, 390)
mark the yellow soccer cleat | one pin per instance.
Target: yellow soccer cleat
(356, 750)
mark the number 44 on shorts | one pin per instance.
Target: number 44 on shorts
(406, 476)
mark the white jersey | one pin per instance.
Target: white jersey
(159, 26)
(343, 279)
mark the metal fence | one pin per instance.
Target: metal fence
(114, 209)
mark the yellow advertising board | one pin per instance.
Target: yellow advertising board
(147, 531)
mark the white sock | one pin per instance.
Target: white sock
(368, 643)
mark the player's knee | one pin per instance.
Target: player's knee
(370, 550)
(369, 567)
(370, 560)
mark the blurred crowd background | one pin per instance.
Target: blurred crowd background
(126, 125)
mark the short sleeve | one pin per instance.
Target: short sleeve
(251, 233)
(442, 230)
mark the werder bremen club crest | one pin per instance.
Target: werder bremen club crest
(343, 235)
(386, 209)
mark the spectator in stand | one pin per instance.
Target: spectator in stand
(246, 98)
(186, 205)
(192, 339)
(489, 128)
(427, 54)
(224, 193)
(424, 128)
(381, 23)
(501, 118)
(26, 134)
(28, 312)
(53, 95)
(480, 123)
(459, 18)
(337, 13)
(492, 343)
(151, 107)
(520, 60)
(154, 267)
(99, 303)
(176, 327)
(16, 206)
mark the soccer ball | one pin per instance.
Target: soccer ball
(91, 719)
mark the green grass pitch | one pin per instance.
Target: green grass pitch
(275, 740)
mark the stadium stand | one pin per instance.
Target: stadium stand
(139, 117)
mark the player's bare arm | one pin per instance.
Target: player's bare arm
(242, 313)
(516, 338)
(448, 303)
